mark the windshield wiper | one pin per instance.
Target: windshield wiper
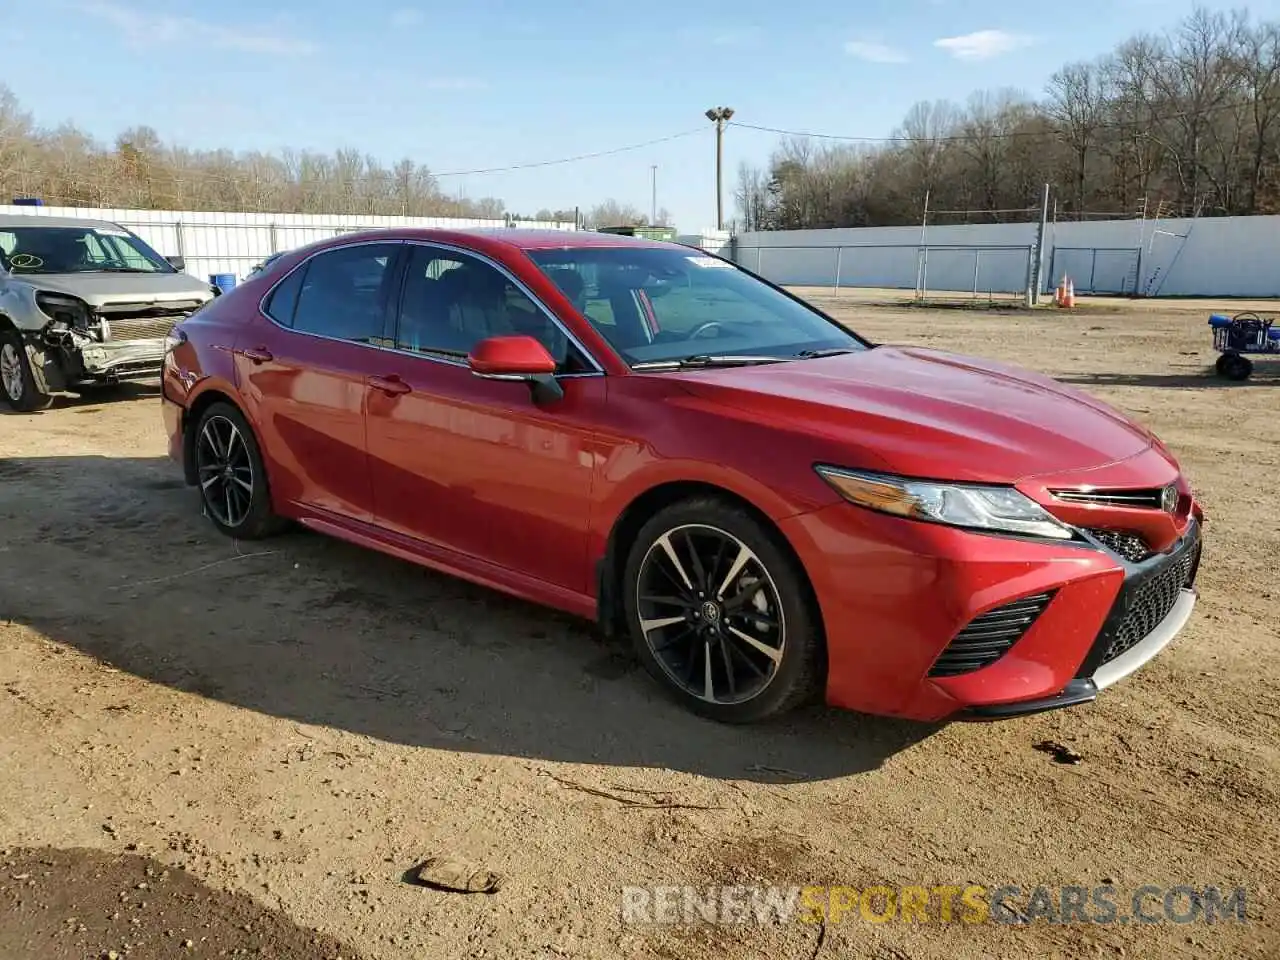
(831, 352)
(121, 270)
(707, 360)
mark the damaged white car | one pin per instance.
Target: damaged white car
(84, 302)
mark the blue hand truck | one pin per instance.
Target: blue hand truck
(1238, 337)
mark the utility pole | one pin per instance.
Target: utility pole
(1037, 278)
(720, 116)
(653, 213)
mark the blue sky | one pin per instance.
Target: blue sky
(472, 84)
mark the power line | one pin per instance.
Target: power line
(1011, 134)
(182, 175)
(575, 159)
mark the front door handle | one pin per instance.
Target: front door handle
(257, 354)
(391, 384)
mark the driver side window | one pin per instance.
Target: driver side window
(451, 301)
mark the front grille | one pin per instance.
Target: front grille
(1129, 545)
(1145, 601)
(989, 636)
(142, 328)
(1140, 499)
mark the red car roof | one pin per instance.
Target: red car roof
(482, 239)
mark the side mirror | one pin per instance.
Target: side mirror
(517, 357)
(178, 263)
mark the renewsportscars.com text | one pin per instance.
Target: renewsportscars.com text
(970, 904)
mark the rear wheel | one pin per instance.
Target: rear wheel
(721, 614)
(1234, 367)
(21, 382)
(231, 475)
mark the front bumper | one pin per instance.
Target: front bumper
(894, 594)
(123, 359)
(1085, 689)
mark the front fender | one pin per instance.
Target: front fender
(18, 305)
(637, 482)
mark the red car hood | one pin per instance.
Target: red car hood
(928, 413)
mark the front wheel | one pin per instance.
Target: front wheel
(721, 614)
(231, 474)
(22, 383)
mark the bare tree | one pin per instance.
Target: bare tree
(1077, 107)
(66, 167)
(1187, 121)
(611, 213)
(1258, 70)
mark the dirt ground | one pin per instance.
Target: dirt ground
(300, 722)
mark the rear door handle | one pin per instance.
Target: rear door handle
(392, 385)
(256, 354)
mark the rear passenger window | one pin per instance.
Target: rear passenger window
(284, 299)
(344, 293)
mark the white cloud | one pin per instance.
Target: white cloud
(150, 30)
(407, 17)
(983, 44)
(874, 51)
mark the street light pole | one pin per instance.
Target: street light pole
(653, 213)
(720, 116)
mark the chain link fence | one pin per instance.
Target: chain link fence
(935, 273)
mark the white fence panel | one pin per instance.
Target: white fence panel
(719, 242)
(219, 243)
(1204, 257)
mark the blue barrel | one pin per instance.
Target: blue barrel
(223, 281)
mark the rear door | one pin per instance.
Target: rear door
(302, 367)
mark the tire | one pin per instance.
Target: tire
(233, 486)
(764, 630)
(22, 382)
(1234, 367)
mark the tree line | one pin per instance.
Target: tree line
(1181, 123)
(64, 166)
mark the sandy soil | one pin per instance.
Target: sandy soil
(68, 904)
(301, 722)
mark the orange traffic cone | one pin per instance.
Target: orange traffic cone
(1060, 295)
(1071, 294)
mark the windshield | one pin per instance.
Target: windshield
(664, 304)
(43, 249)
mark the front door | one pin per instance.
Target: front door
(303, 367)
(475, 465)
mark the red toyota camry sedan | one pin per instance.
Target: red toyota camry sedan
(771, 508)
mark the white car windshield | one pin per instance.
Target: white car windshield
(46, 249)
(665, 304)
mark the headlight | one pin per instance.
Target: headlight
(69, 310)
(174, 339)
(998, 509)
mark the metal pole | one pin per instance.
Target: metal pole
(920, 256)
(977, 260)
(1039, 263)
(719, 173)
(1031, 267)
(1093, 269)
(839, 251)
(719, 116)
(1142, 229)
(653, 217)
